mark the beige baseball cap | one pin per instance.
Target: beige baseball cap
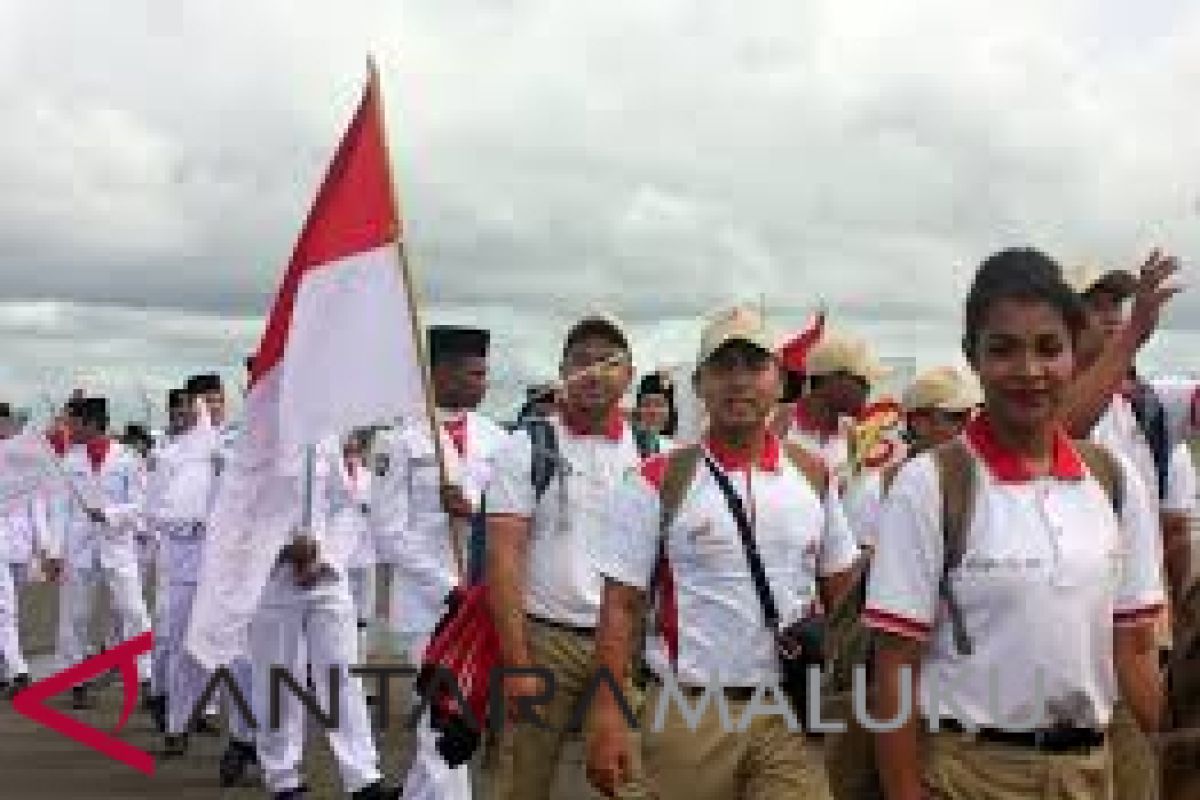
(943, 388)
(1088, 277)
(839, 352)
(737, 324)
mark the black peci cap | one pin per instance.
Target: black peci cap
(451, 341)
(94, 409)
(203, 383)
(656, 383)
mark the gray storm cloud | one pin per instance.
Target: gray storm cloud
(656, 159)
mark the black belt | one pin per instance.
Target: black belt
(1046, 740)
(578, 630)
(738, 694)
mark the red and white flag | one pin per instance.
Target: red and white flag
(340, 350)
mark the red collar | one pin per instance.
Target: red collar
(97, 451)
(808, 424)
(456, 429)
(732, 460)
(59, 441)
(614, 427)
(1008, 467)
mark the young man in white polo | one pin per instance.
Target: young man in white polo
(745, 486)
(545, 588)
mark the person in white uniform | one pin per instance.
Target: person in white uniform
(306, 624)
(100, 547)
(25, 543)
(350, 508)
(411, 518)
(178, 498)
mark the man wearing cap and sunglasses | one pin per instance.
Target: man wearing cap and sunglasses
(735, 539)
(544, 587)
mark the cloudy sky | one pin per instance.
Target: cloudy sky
(657, 159)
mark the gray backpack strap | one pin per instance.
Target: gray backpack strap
(544, 456)
(1103, 466)
(957, 476)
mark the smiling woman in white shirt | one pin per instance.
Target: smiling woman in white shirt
(1023, 628)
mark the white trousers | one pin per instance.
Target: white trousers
(184, 678)
(12, 661)
(290, 624)
(429, 777)
(78, 593)
(362, 591)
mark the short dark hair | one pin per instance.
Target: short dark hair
(1020, 273)
(595, 328)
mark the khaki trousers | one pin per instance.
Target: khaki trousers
(527, 763)
(766, 761)
(960, 768)
(850, 754)
(1134, 762)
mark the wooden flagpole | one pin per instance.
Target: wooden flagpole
(416, 328)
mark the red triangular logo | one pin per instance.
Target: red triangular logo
(31, 702)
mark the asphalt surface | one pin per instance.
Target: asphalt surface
(36, 762)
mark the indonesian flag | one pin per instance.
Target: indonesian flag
(340, 350)
(793, 353)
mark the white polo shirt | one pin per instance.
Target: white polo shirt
(1048, 571)
(562, 582)
(711, 627)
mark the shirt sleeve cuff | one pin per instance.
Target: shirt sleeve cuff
(897, 624)
(1140, 614)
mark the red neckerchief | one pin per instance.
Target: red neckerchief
(59, 441)
(97, 451)
(1009, 467)
(614, 426)
(457, 430)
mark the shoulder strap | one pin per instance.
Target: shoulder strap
(544, 457)
(681, 468)
(810, 466)
(746, 532)
(887, 475)
(1104, 468)
(957, 479)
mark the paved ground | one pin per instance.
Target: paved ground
(38, 763)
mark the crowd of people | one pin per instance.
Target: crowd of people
(990, 577)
